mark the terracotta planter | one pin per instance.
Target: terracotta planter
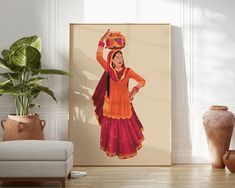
(23, 128)
(229, 160)
(218, 124)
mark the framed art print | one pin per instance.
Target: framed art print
(120, 94)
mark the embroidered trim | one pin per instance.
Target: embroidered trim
(126, 156)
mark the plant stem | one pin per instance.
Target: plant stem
(27, 96)
(17, 105)
(27, 104)
(23, 90)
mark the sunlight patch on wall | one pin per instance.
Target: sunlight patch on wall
(213, 58)
(109, 11)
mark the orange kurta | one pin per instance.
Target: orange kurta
(118, 104)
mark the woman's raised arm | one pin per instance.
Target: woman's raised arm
(99, 54)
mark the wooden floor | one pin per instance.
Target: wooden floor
(179, 176)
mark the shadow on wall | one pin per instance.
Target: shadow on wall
(82, 109)
(83, 94)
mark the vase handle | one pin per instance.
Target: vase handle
(2, 123)
(43, 123)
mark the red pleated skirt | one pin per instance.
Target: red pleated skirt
(121, 137)
(118, 137)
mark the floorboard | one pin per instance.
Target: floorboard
(177, 176)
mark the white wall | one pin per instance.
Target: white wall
(203, 63)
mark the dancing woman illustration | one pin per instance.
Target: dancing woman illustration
(121, 130)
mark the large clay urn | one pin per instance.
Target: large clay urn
(28, 127)
(218, 124)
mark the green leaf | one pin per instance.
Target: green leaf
(2, 84)
(12, 91)
(33, 41)
(10, 75)
(5, 85)
(3, 64)
(34, 93)
(46, 90)
(51, 71)
(19, 57)
(26, 56)
(35, 81)
(33, 105)
(6, 54)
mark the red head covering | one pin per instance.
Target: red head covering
(110, 69)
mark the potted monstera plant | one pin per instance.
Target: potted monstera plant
(21, 77)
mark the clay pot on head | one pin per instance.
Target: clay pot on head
(115, 40)
(229, 160)
(218, 124)
(23, 128)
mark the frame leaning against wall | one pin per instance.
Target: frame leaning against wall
(147, 52)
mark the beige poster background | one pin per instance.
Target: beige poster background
(147, 52)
